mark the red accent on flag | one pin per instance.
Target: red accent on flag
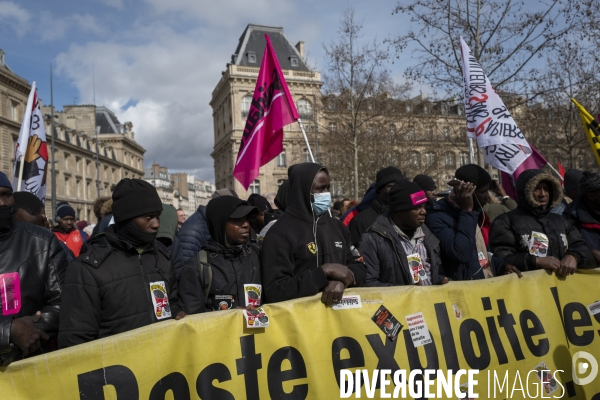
(561, 171)
(271, 109)
(534, 161)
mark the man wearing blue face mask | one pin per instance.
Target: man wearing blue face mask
(307, 251)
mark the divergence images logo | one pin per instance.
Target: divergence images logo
(580, 367)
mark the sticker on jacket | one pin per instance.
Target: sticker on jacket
(252, 292)
(384, 319)
(158, 292)
(348, 302)
(312, 247)
(256, 318)
(223, 302)
(538, 244)
(416, 266)
(10, 293)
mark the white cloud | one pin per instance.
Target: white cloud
(11, 14)
(87, 23)
(118, 4)
(52, 27)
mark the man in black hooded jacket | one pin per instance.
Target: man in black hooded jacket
(531, 237)
(307, 251)
(123, 278)
(232, 259)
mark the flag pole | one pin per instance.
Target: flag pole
(21, 165)
(306, 140)
(557, 174)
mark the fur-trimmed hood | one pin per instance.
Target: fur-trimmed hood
(526, 184)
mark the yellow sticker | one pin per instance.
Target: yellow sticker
(312, 247)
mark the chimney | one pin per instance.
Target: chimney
(300, 48)
(1, 58)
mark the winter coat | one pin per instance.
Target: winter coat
(511, 233)
(292, 255)
(365, 219)
(231, 269)
(586, 224)
(456, 231)
(107, 289)
(385, 257)
(166, 235)
(36, 254)
(193, 234)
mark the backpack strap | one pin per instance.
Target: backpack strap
(205, 273)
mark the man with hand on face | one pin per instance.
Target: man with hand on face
(65, 230)
(232, 260)
(531, 237)
(398, 248)
(307, 251)
(124, 278)
(462, 228)
(33, 256)
(385, 180)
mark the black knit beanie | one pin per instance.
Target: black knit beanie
(406, 195)
(425, 182)
(387, 175)
(133, 198)
(589, 183)
(474, 174)
(64, 209)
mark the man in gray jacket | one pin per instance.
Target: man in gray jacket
(398, 248)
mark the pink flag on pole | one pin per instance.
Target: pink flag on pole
(271, 109)
(534, 161)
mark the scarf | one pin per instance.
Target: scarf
(128, 232)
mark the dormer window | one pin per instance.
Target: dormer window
(251, 57)
(294, 61)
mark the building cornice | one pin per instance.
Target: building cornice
(14, 81)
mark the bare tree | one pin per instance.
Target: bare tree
(357, 94)
(506, 36)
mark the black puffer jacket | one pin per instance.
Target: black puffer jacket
(385, 257)
(36, 254)
(510, 233)
(193, 234)
(292, 255)
(107, 289)
(365, 219)
(231, 269)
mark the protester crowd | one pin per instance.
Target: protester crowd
(143, 262)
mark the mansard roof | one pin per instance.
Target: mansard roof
(253, 42)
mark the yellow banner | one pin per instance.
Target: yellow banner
(504, 327)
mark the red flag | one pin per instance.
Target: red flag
(534, 161)
(271, 109)
(561, 171)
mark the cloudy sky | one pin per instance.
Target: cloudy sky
(156, 62)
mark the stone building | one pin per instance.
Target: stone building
(80, 178)
(231, 102)
(179, 189)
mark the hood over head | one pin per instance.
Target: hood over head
(526, 184)
(168, 222)
(220, 209)
(301, 180)
(283, 194)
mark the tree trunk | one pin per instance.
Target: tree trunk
(355, 167)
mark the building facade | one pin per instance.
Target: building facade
(179, 189)
(92, 149)
(231, 100)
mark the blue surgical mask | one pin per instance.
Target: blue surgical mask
(321, 203)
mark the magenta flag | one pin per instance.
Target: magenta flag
(271, 109)
(534, 161)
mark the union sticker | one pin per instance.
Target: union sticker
(158, 292)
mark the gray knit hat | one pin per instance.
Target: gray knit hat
(589, 183)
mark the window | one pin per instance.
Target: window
(429, 133)
(304, 109)
(246, 101)
(444, 109)
(450, 160)
(425, 110)
(332, 127)
(446, 132)
(294, 61)
(429, 160)
(14, 110)
(67, 191)
(251, 57)
(408, 108)
(281, 159)
(414, 159)
(393, 130)
(580, 161)
(410, 135)
(306, 156)
(255, 187)
(464, 158)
